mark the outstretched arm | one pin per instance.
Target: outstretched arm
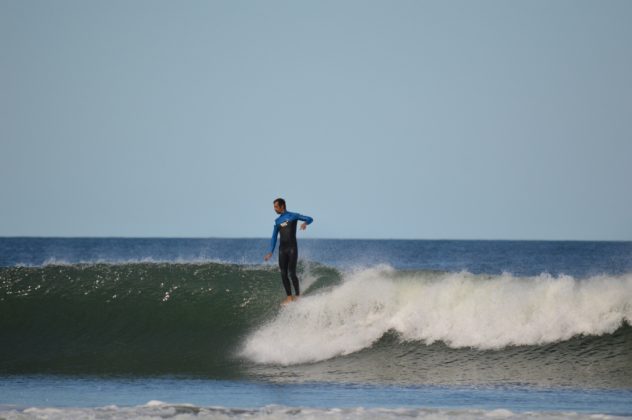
(275, 233)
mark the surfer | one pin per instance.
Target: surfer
(285, 225)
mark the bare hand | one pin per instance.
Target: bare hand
(304, 226)
(267, 256)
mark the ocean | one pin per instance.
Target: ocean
(193, 328)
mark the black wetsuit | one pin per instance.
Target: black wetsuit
(285, 227)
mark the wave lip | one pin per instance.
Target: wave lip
(458, 309)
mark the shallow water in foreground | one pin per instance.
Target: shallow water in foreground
(140, 396)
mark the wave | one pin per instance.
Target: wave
(219, 319)
(458, 309)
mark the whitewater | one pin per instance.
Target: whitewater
(459, 309)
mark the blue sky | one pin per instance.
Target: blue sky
(381, 119)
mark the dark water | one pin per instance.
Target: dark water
(448, 315)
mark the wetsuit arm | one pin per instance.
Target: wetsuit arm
(275, 233)
(305, 219)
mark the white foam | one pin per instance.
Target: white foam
(459, 309)
(160, 410)
(53, 261)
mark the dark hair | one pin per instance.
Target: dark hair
(280, 201)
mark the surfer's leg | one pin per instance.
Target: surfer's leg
(284, 261)
(293, 259)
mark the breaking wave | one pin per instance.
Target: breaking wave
(458, 309)
(220, 319)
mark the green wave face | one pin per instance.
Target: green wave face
(142, 318)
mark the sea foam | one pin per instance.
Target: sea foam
(158, 410)
(458, 309)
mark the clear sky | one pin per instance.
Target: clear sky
(380, 119)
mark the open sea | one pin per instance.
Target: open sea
(193, 328)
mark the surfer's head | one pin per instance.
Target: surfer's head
(279, 205)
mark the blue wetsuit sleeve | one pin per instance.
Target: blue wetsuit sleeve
(305, 219)
(275, 233)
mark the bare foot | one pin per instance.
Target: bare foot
(287, 300)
